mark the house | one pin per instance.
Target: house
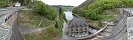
(17, 4)
(78, 28)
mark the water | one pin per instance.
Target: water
(68, 15)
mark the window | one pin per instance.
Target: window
(76, 29)
(81, 32)
(76, 32)
(85, 28)
(81, 29)
(71, 29)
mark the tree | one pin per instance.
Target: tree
(45, 10)
(25, 2)
(4, 3)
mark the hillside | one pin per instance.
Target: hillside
(101, 10)
(40, 23)
(82, 6)
(94, 10)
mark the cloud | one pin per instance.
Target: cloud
(63, 2)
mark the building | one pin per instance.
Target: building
(17, 4)
(78, 28)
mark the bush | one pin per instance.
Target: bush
(45, 10)
(4, 3)
(25, 2)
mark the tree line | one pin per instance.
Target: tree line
(45, 10)
(6, 3)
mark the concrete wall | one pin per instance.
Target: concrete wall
(6, 22)
(120, 30)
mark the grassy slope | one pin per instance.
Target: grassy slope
(51, 34)
(30, 20)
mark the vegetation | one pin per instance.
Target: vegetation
(82, 6)
(4, 3)
(25, 2)
(46, 14)
(95, 10)
(50, 34)
(32, 20)
(45, 10)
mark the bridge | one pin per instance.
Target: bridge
(8, 30)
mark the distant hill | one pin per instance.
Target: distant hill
(84, 5)
(64, 7)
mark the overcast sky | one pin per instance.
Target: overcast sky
(63, 2)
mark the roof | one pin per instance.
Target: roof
(77, 22)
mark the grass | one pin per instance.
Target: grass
(95, 24)
(108, 17)
(33, 20)
(50, 34)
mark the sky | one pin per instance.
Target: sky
(63, 2)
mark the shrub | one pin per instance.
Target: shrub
(45, 10)
(4, 3)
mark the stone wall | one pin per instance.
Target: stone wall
(6, 22)
(120, 30)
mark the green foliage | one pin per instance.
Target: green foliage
(97, 7)
(50, 33)
(83, 6)
(25, 2)
(45, 10)
(4, 3)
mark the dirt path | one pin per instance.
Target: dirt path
(33, 30)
